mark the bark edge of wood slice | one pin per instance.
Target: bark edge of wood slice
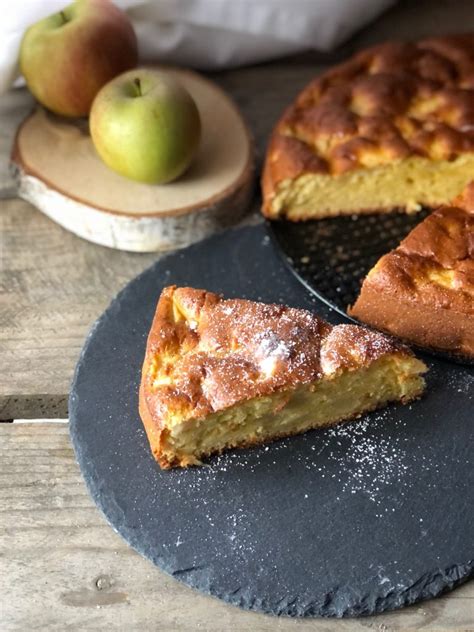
(58, 171)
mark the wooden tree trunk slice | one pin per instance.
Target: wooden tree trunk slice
(59, 172)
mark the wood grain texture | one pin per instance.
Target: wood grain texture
(53, 287)
(14, 106)
(139, 234)
(63, 568)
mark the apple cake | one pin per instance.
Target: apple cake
(223, 373)
(423, 291)
(393, 127)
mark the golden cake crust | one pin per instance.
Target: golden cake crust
(423, 290)
(387, 103)
(205, 354)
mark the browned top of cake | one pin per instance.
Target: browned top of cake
(388, 102)
(206, 353)
(434, 265)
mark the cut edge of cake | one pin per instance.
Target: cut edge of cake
(390, 128)
(423, 290)
(404, 185)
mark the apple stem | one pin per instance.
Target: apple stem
(63, 16)
(137, 83)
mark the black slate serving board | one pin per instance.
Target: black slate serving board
(352, 520)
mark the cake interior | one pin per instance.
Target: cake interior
(409, 184)
(323, 402)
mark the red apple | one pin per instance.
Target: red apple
(67, 57)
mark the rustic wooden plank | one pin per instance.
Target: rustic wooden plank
(14, 106)
(63, 568)
(54, 285)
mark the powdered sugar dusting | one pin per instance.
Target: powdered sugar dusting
(371, 462)
(462, 383)
(269, 351)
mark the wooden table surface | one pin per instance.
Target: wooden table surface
(61, 566)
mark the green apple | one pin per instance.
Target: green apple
(145, 126)
(67, 57)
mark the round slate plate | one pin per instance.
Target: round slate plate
(351, 520)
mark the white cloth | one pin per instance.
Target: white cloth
(209, 34)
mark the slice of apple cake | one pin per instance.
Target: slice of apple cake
(223, 373)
